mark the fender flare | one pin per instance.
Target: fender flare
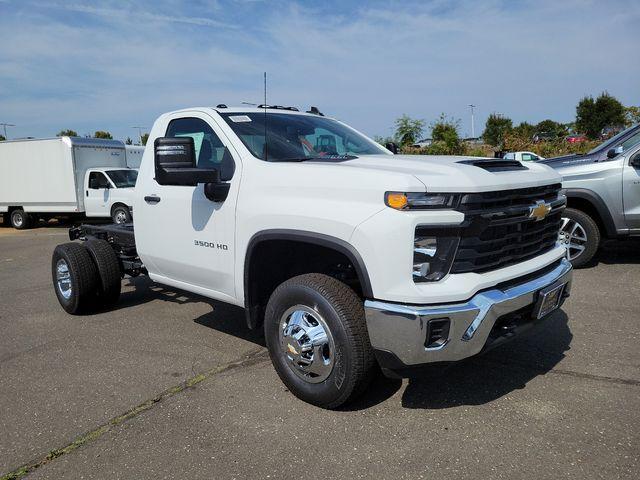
(598, 203)
(314, 238)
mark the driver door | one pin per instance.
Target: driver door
(97, 191)
(631, 189)
(182, 235)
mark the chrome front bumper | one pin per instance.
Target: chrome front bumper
(400, 331)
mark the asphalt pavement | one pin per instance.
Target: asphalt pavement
(170, 385)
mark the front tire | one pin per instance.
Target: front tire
(20, 220)
(317, 338)
(581, 235)
(75, 278)
(120, 215)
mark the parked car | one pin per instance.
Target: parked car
(425, 142)
(64, 177)
(543, 137)
(522, 156)
(576, 138)
(346, 259)
(603, 194)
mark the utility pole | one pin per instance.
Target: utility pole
(140, 133)
(473, 128)
(5, 125)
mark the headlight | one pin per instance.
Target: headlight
(420, 201)
(432, 257)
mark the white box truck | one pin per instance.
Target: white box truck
(65, 176)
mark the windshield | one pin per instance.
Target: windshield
(293, 137)
(612, 141)
(123, 178)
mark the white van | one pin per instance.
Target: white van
(64, 176)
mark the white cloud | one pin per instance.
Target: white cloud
(86, 67)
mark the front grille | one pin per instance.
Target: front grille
(499, 231)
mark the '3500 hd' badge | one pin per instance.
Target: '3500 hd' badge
(219, 246)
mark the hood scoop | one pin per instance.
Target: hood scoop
(495, 165)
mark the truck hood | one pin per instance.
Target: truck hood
(454, 173)
(568, 161)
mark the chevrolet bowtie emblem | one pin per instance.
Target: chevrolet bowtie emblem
(540, 210)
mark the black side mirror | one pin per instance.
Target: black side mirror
(392, 147)
(614, 152)
(635, 160)
(175, 162)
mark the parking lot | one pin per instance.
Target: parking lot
(169, 385)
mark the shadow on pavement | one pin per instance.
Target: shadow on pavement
(479, 379)
(485, 378)
(619, 251)
(224, 318)
(475, 381)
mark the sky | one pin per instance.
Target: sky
(112, 65)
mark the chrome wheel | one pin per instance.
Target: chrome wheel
(306, 343)
(17, 219)
(63, 279)
(120, 217)
(573, 236)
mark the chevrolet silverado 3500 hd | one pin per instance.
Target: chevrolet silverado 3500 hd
(347, 255)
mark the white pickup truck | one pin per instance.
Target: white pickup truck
(347, 255)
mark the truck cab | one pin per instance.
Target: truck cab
(345, 254)
(108, 192)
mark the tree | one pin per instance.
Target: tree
(102, 134)
(408, 130)
(2, 139)
(631, 115)
(383, 140)
(128, 141)
(550, 126)
(144, 138)
(445, 131)
(67, 133)
(524, 130)
(593, 115)
(496, 128)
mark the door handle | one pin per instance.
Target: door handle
(152, 199)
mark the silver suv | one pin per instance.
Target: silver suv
(603, 194)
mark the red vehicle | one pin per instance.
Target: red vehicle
(577, 138)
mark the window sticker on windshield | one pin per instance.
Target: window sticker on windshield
(239, 118)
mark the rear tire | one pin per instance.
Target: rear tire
(75, 278)
(581, 235)
(20, 220)
(318, 341)
(120, 215)
(109, 272)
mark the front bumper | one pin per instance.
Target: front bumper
(398, 332)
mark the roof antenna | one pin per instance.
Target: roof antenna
(266, 158)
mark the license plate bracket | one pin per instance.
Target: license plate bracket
(549, 299)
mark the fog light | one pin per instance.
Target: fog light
(437, 332)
